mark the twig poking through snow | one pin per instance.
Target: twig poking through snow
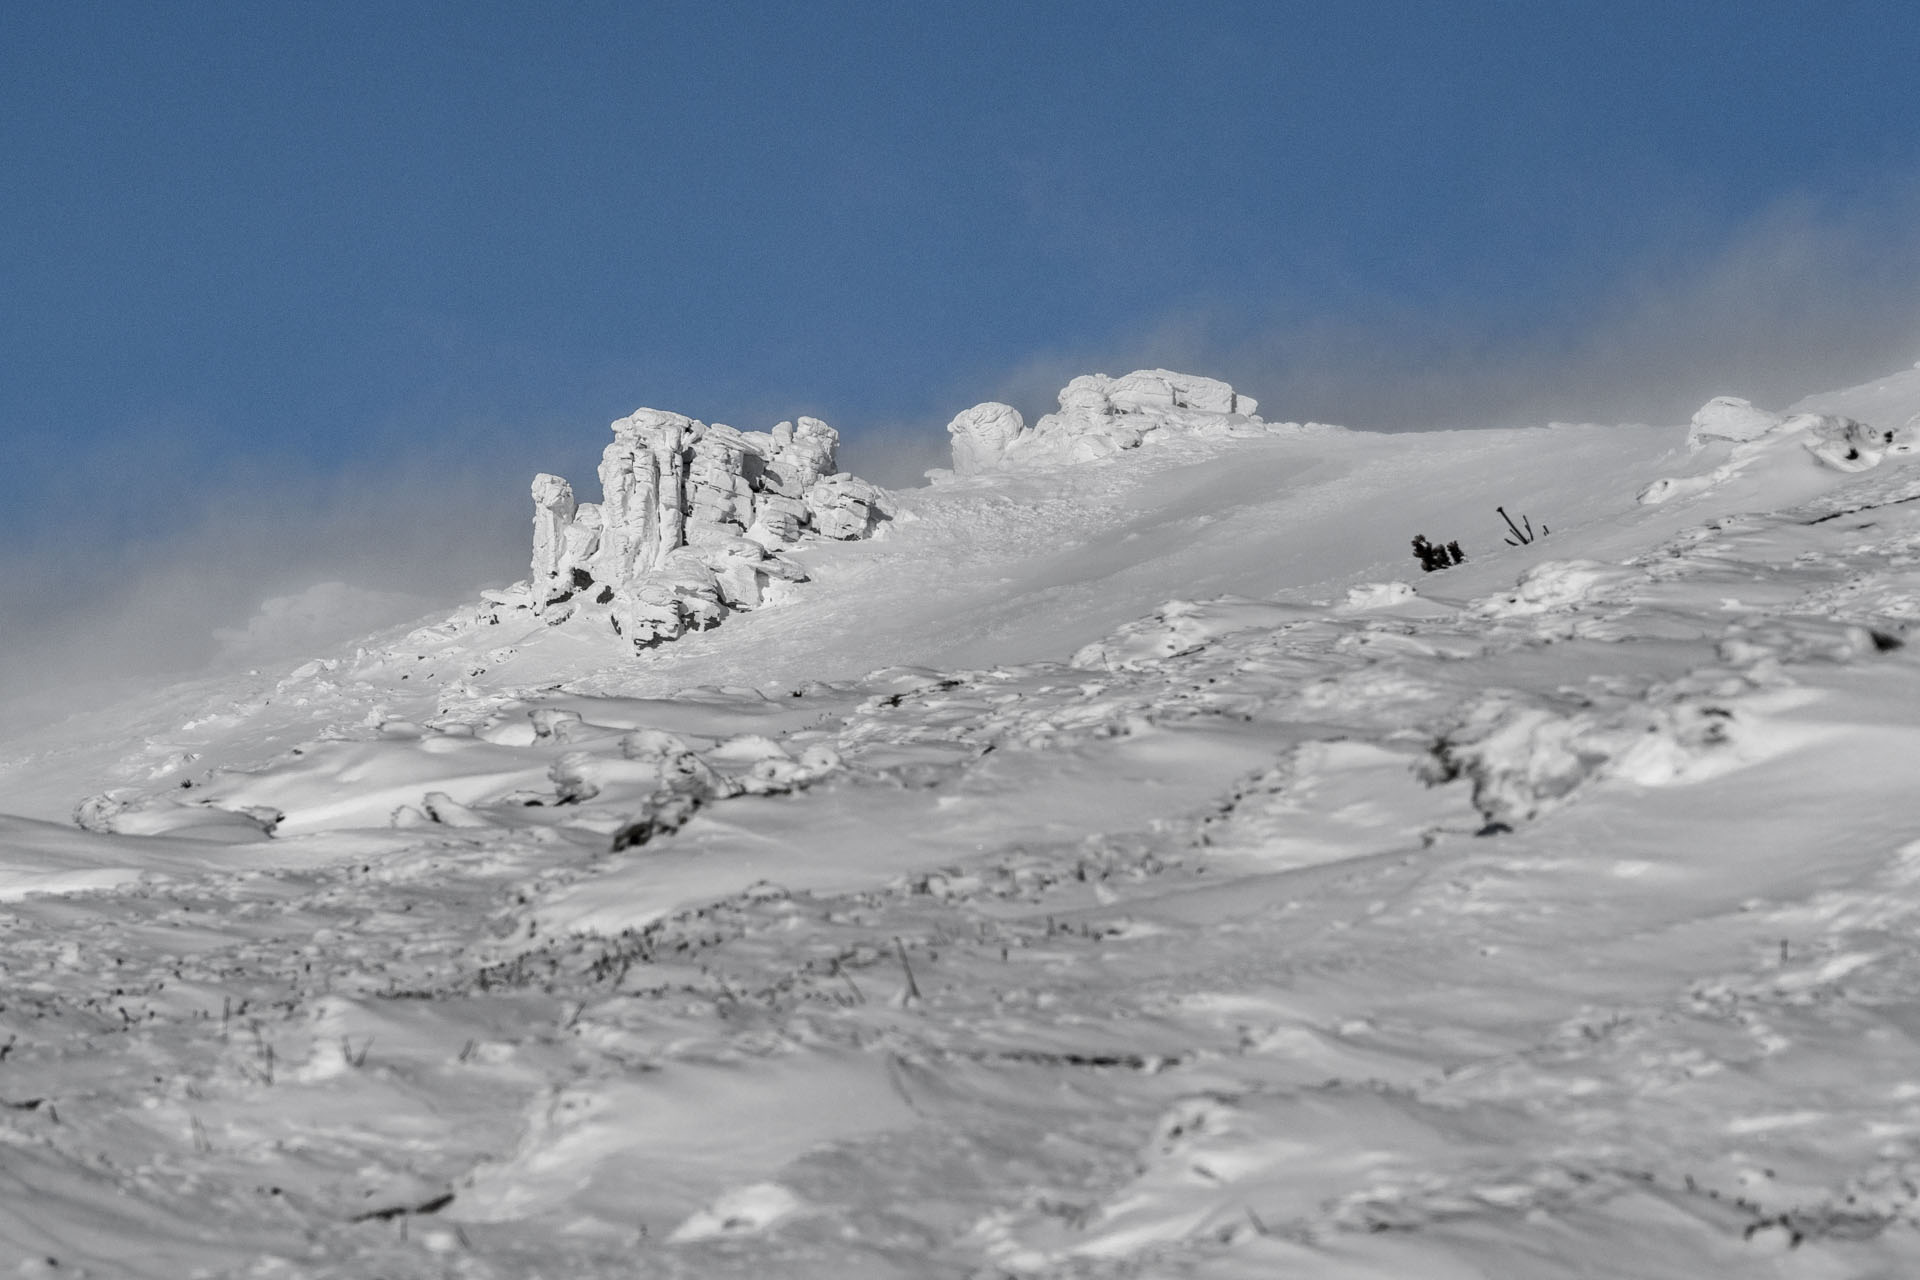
(913, 988)
(404, 1211)
(1524, 537)
(858, 996)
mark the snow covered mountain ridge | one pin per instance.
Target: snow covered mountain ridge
(695, 517)
(1124, 866)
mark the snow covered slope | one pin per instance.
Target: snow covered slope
(1133, 866)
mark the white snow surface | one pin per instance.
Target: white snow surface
(1130, 866)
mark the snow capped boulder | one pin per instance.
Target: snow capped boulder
(742, 568)
(1089, 425)
(844, 507)
(553, 513)
(690, 525)
(981, 436)
(778, 521)
(1526, 758)
(1100, 416)
(1157, 392)
(801, 455)
(566, 537)
(1841, 443)
(643, 508)
(1771, 449)
(719, 493)
(130, 813)
(678, 769)
(1729, 418)
(1838, 442)
(1846, 445)
(1160, 390)
(582, 537)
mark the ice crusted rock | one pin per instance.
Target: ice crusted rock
(1729, 418)
(981, 436)
(1150, 390)
(844, 507)
(1100, 416)
(801, 455)
(690, 526)
(554, 511)
(1846, 445)
(643, 507)
(130, 813)
(1740, 438)
(719, 494)
(1837, 442)
(1841, 443)
(1524, 760)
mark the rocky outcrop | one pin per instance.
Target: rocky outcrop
(1729, 436)
(690, 527)
(554, 511)
(1835, 441)
(1729, 418)
(843, 507)
(982, 434)
(1100, 416)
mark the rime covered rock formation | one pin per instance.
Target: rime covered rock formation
(1835, 441)
(1847, 445)
(1729, 418)
(1730, 437)
(690, 525)
(1100, 416)
(982, 434)
(556, 517)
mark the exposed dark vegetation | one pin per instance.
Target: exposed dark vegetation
(1433, 557)
(1523, 533)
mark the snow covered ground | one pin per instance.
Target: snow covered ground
(1134, 867)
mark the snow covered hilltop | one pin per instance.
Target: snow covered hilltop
(690, 526)
(695, 518)
(1116, 869)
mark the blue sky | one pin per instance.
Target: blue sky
(301, 290)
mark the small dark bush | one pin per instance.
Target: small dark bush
(1433, 557)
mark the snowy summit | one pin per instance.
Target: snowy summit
(1119, 857)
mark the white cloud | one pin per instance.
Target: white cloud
(295, 625)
